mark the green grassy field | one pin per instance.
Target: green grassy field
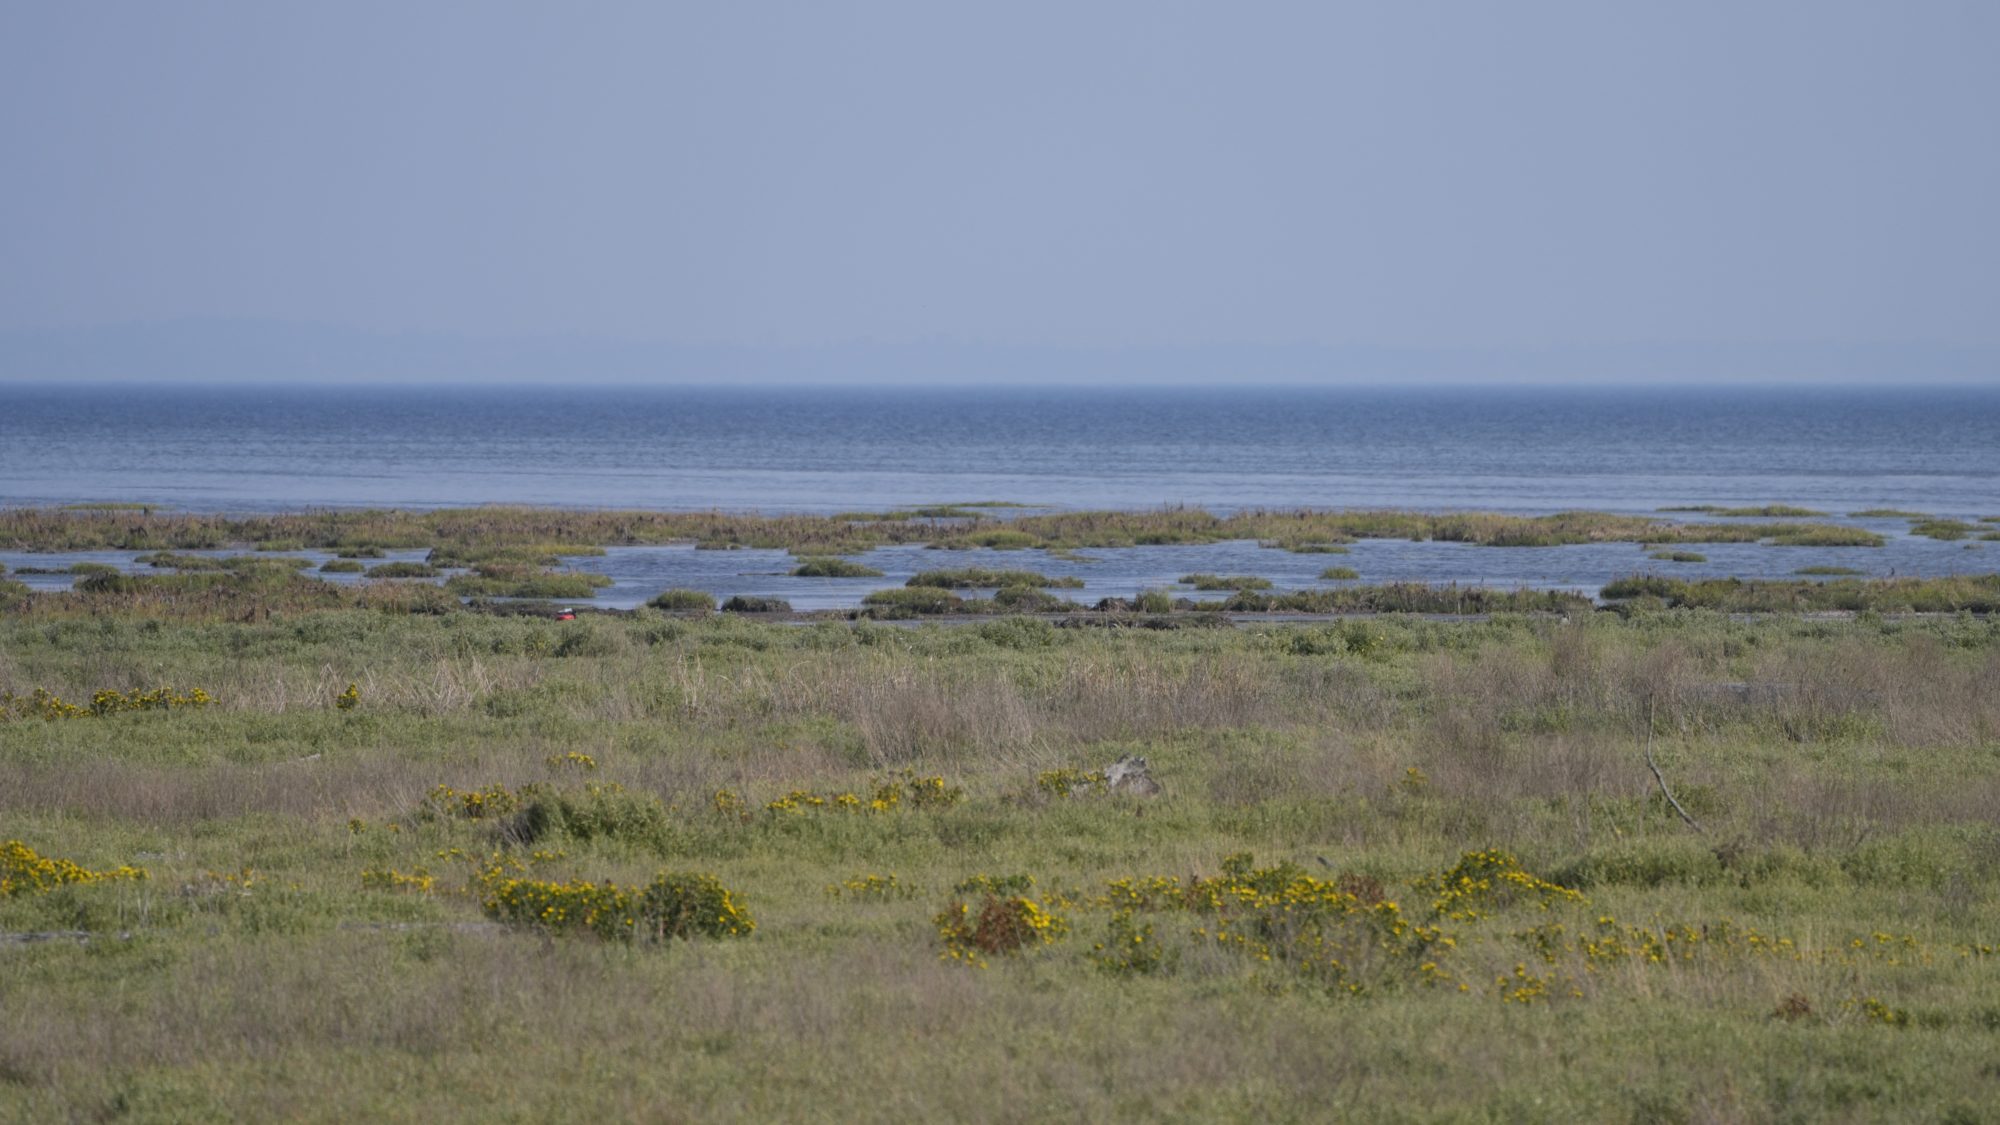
(1399, 869)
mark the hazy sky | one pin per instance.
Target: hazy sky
(1073, 175)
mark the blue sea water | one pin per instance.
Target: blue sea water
(249, 449)
(263, 448)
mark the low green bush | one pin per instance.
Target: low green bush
(683, 601)
(912, 601)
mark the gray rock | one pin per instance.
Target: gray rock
(1130, 774)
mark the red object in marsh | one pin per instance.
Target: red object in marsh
(566, 615)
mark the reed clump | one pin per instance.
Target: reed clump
(683, 601)
(829, 566)
(1410, 597)
(1942, 529)
(401, 570)
(973, 577)
(510, 580)
(1974, 594)
(466, 536)
(1764, 511)
(912, 601)
(1225, 582)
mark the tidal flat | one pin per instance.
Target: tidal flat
(385, 857)
(624, 559)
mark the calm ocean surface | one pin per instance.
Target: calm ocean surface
(819, 450)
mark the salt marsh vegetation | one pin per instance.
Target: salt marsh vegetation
(1397, 864)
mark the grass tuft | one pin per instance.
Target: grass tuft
(828, 566)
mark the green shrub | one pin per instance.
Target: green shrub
(596, 812)
(750, 603)
(590, 636)
(342, 566)
(1028, 599)
(683, 601)
(1018, 633)
(674, 905)
(1339, 574)
(912, 601)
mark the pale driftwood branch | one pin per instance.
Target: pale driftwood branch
(1662, 778)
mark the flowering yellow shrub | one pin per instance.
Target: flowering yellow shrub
(1483, 882)
(1874, 1009)
(419, 881)
(1340, 934)
(871, 887)
(1001, 927)
(572, 760)
(673, 905)
(445, 802)
(1130, 948)
(24, 871)
(1071, 782)
(45, 704)
(1579, 955)
(928, 792)
(1147, 892)
(1310, 927)
(898, 790)
(350, 699)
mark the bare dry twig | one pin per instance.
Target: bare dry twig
(1662, 778)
